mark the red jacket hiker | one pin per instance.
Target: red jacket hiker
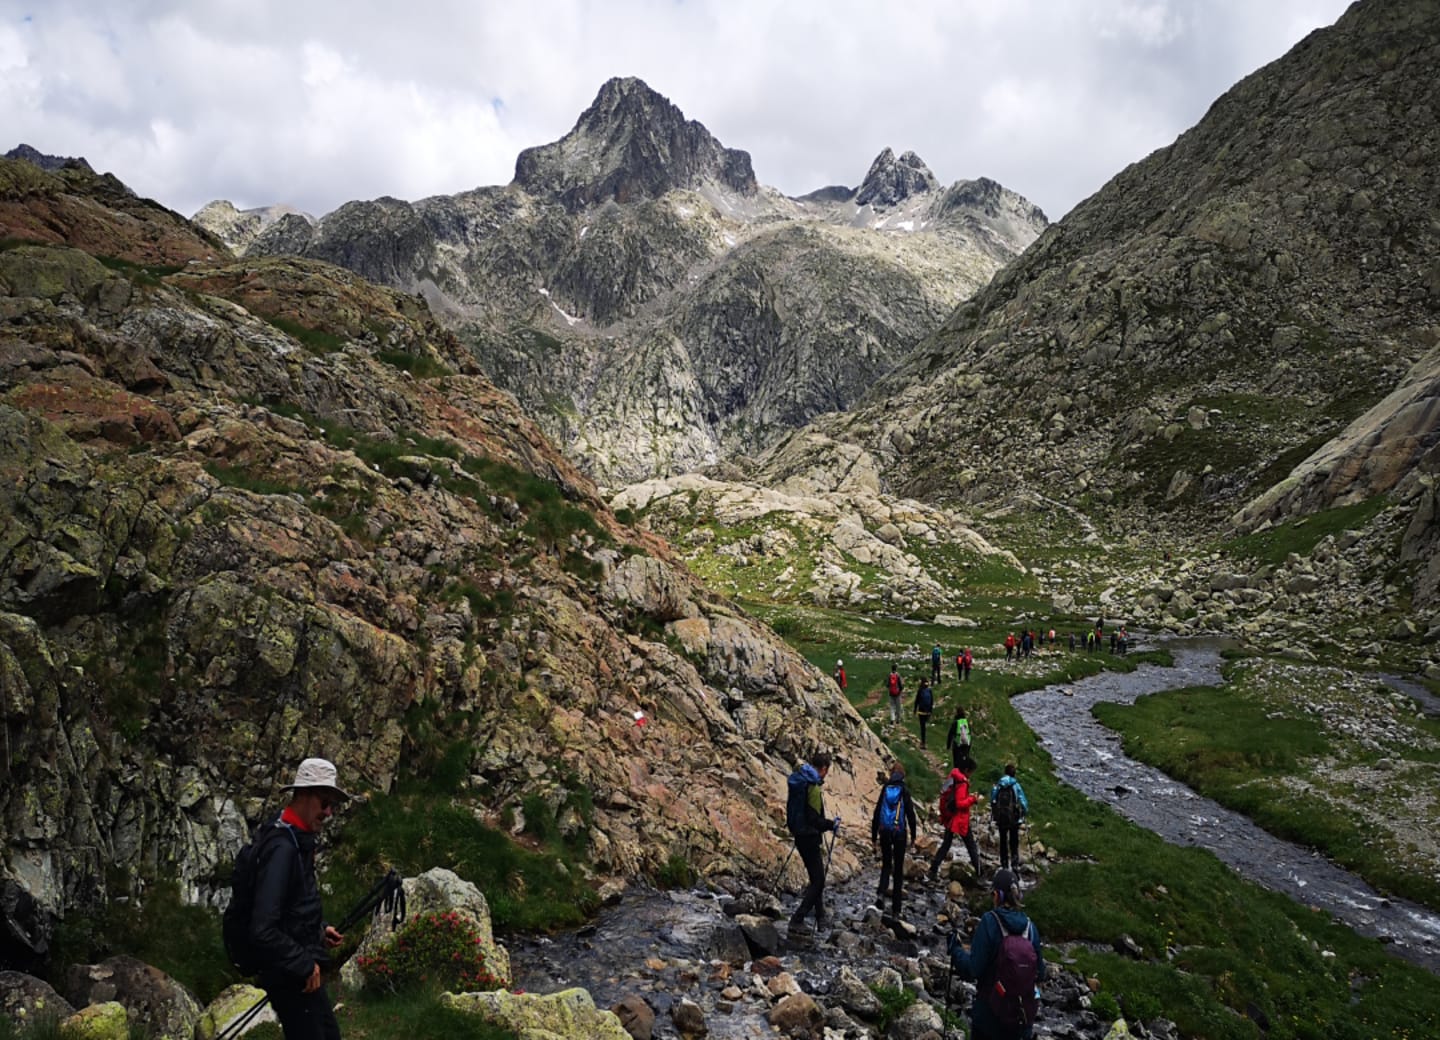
(959, 820)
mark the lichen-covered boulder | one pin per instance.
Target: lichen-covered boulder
(24, 998)
(107, 1021)
(568, 1015)
(233, 1003)
(147, 993)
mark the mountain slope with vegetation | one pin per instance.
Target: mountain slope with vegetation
(258, 510)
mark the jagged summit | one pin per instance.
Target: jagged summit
(632, 143)
(38, 158)
(891, 181)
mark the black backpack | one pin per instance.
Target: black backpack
(235, 922)
(1006, 806)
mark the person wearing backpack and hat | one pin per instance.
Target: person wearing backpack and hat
(839, 675)
(1008, 808)
(955, 803)
(892, 821)
(288, 934)
(806, 819)
(1006, 964)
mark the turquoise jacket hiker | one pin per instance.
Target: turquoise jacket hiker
(1010, 781)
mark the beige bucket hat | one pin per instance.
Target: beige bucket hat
(316, 772)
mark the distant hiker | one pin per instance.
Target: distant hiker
(1027, 640)
(895, 685)
(288, 933)
(806, 819)
(1072, 642)
(1006, 964)
(958, 739)
(960, 666)
(1052, 637)
(935, 664)
(1008, 808)
(839, 675)
(1114, 638)
(891, 823)
(924, 705)
(1010, 644)
(955, 803)
(967, 663)
(1122, 643)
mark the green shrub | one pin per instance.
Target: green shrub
(237, 477)
(441, 950)
(675, 872)
(314, 340)
(893, 1003)
(417, 365)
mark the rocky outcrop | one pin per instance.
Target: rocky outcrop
(1210, 318)
(35, 157)
(891, 181)
(631, 144)
(147, 994)
(238, 228)
(253, 512)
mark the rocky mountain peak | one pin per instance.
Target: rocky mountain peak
(632, 143)
(891, 180)
(38, 158)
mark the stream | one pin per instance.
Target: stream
(1088, 757)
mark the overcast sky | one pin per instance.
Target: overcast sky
(316, 102)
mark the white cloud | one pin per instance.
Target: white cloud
(321, 102)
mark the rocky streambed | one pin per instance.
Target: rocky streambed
(1088, 756)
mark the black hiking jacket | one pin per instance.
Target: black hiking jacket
(287, 925)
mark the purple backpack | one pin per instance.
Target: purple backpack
(1011, 994)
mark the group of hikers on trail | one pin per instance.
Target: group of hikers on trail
(1004, 957)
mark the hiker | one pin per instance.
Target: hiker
(1114, 638)
(958, 739)
(955, 803)
(967, 663)
(896, 686)
(806, 819)
(892, 821)
(1052, 637)
(1072, 642)
(1010, 645)
(287, 926)
(1123, 642)
(1008, 808)
(960, 666)
(935, 664)
(1005, 963)
(839, 675)
(924, 705)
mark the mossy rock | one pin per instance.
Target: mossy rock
(568, 1015)
(106, 1021)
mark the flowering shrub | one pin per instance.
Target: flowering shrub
(436, 949)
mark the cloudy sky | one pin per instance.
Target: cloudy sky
(315, 102)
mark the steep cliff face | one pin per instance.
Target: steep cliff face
(255, 511)
(639, 253)
(1213, 315)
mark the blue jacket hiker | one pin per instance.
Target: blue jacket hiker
(806, 819)
(1006, 964)
(891, 825)
(1008, 808)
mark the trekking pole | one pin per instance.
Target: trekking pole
(387, 894)
(780, 875)
(833, 835)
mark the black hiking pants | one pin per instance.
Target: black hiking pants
(958, 754)
(924, 721)
(935, 670)
(892, 865)
(1009, 844)
(811, 854)
(970, 847)
(304, 1016)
